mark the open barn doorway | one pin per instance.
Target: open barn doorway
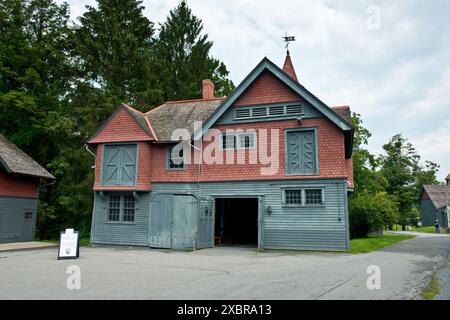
(236, 221)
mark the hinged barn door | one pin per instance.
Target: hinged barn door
(205, 234)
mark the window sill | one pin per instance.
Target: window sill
(304, 206)
(121, 223)
(180, 169)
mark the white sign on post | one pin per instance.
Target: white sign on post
(69, 245)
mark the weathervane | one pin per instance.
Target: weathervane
(288, 39)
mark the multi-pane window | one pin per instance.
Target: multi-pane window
(114, 208)
(121, 208)
(303, 197)
(228, 141)
(128, 208)
(232, 141)
(313, 197)
(28, 215)
(293, 197)
(246, 140)
(175, 159)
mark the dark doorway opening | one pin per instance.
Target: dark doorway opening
(236, 221)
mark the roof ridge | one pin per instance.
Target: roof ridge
(193, 100)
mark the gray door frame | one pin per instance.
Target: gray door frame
(261, 211)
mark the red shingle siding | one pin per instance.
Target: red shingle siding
(120, 129)
(18, 186)
(145, 165)
(349, 164)
(331, 156)
(267, 89)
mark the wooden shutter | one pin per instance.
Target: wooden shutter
(301, 152)
(128, 165)
(119, 166)
(308, 152)
(111, 165)
(293, 150)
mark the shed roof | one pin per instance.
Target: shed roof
(439, 195)
(173, 115)
(16, 161)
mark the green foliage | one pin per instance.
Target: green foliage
(392, 180)
(371, 212)
(184, 53)
(59, 82)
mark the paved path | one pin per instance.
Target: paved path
(26, 245)
(223, 273)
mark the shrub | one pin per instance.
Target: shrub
(371, 212)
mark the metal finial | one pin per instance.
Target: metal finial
(288, 39)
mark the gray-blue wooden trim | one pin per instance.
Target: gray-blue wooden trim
(102, 183)
(266, 64)
(347, 222)
(303, 196)
(316, 151)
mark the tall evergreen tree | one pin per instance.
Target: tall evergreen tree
(184, 53)
(113, 44)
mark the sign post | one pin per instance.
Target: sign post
(69, 245)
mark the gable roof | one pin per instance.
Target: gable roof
(137, 116)
(180, 115)
(439, 195)
(448, 177)
(15, 161)
(266, 64)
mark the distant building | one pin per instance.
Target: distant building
(19, 190)
(435, 204)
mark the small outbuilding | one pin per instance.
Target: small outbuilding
(435, 204)
(20, 177)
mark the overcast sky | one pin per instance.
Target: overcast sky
(388, 60)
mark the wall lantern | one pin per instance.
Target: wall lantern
(300, 121)
(269, 210)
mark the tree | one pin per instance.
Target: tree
(184, 54)
(114, 45)
(35, 73)
(367, 178)
(399, 166)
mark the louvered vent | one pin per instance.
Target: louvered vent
(259, 112)
(242, 113)
(294, 109)
(276, 111)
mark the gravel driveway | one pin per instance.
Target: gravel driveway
(223, 273)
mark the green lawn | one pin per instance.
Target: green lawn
(424, 229)
(373, 243)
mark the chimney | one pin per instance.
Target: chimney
(448, 179)
(208, 89)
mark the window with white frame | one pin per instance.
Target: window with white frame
(313, 197)
(241, 140)
(303, 197)
(175, 160)
(121, 208)
(228, 141)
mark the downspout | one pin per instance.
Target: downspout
(199, 193)
(86, 146)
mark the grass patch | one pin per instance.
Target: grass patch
(432, 289)
(84, 242)
(373, 243)
(424, 229)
